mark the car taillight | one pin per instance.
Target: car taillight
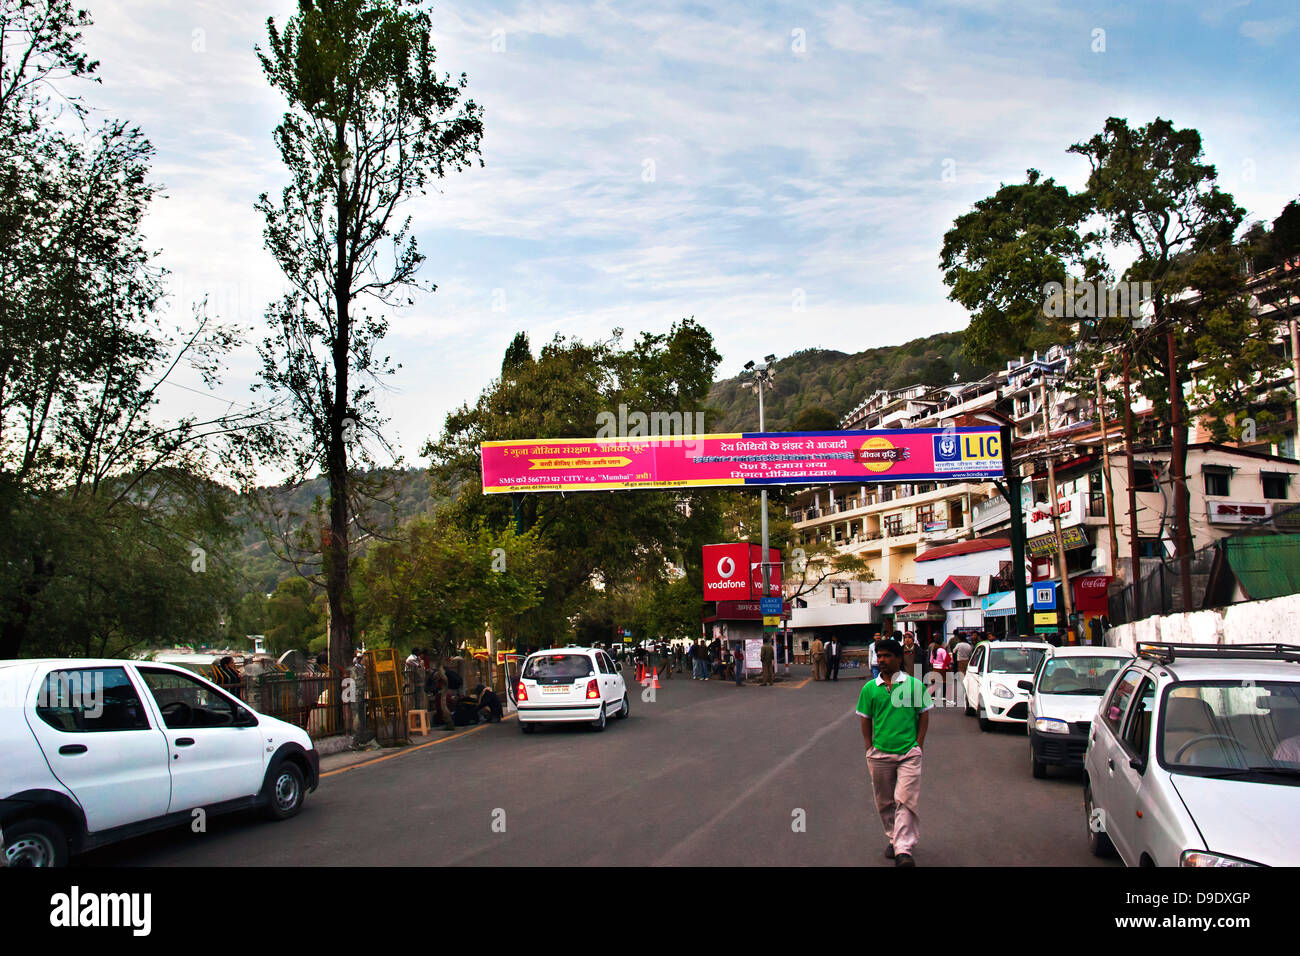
(593, 691)
(521, 691)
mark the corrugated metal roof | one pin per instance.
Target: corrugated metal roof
(1267, 566)
(963, 547)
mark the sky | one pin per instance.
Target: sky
(782, 172)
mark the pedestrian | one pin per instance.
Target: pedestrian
(941, 662)
(767, 656)
(961, 655)
(787, 647)
(871, 656)
(909, 654)
(667, 658)
(833, 658)
(895, 714)
(818, 652)
(738, 662)
(677, 657)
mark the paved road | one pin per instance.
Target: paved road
(707, 774)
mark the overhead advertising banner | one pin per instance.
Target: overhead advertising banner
(749, 458)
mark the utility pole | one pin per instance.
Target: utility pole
(1011, 491)
(1179, 455)
(1135, 564)
(1066, 597)
(1112, 561)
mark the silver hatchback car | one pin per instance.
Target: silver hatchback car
(1194, 758)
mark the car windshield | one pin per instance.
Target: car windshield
(1245, 728)
(1084, 676)
(569, 666)
(1014, 660)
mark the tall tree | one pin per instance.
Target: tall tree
(369, 123)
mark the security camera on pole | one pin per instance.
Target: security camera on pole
(760, 375)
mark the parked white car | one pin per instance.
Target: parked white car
(992, 681)
(1194, 758)
(95, 751)
(570, 685)
(1063, 698)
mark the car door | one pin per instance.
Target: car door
(1104, 746)
(216, 747)
(101, 742)
(1129, 766)
(972, 679)
(607, 689)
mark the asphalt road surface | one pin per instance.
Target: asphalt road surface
(706, 774)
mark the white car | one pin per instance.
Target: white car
(1063, 699)
(570, 685)
(95, 751)
(992, 680)
(1194, 758)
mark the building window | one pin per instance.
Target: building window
(924, 514)
(1096, 495)
(1144, 478)
(1149, 548)
(893, 525)
(1216, 480)
(960, 603)
(1275, 483)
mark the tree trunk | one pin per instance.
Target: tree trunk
(338, 584)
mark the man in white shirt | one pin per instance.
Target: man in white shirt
(833, 658)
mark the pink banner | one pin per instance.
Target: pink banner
(798, 458)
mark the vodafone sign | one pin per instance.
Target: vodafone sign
(734, 572)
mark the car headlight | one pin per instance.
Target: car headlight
(1205, 858)
(1050, 725)
(1000, 691)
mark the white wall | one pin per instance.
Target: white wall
(979, 563)
(1276, 621)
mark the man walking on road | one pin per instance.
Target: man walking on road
(961, 653)
(767, 656)
(894, 709)
(833, 659)
(818, 652)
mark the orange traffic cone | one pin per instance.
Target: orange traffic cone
(655, 675)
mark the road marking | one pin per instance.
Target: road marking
(407, 750)
(794, 686)
(730, 808)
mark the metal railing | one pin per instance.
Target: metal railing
(1161, 589)
(313, 702)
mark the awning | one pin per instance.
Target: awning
(922, 611)
(1266, 567)
(1000, 604)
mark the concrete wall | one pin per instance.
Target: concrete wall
(1276, 621)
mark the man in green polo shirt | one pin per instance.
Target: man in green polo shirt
(895, 717)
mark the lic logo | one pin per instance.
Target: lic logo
(946, 448)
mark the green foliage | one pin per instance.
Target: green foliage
(998, 258)
(815, 419)
(369, 123)
(438, 584)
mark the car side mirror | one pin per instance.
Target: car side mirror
(1138, 764)
(1026, 685)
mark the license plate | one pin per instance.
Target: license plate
(555, 689)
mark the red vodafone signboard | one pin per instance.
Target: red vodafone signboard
(734, 572)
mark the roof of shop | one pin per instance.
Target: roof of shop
(963, 547)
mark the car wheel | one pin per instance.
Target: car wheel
(599, 723)
(287, 791)
(985, 724)
(626, 710)
(35, 842)
(1036, 766)
(1098, 842)
(527, 726)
